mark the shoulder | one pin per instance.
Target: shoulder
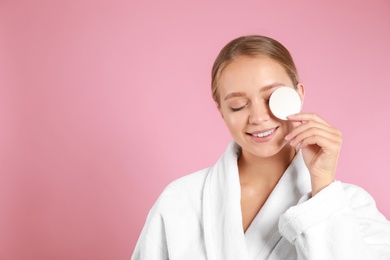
(176, 213)
(190, 182)
(357, 195)
(183, 192)
(360, 199)
(336, 197)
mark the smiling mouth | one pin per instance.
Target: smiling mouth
(264, 134)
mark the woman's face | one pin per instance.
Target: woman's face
(245, 86)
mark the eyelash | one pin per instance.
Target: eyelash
(233, 109)
(236, 109)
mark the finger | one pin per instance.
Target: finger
(315, 133)
(311, 126)
(314, 125)
(295, 124)
(307, 117)
(327, 145)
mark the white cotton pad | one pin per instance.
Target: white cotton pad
(285, 101)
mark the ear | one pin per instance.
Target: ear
(301, 91)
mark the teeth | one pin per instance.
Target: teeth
(264, 133)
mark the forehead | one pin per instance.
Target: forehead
(248, 72)
(255, 70)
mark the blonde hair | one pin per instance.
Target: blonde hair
(253, 46)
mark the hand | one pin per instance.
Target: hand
(320, 144)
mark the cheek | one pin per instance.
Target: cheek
(288, 126)
(234, 121)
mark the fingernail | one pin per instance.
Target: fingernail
(287, 137)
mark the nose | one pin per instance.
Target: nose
(259, 113)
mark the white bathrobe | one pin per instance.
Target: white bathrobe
(199, 217)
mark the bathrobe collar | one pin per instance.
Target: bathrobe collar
(222, 219)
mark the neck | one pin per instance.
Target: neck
(269, 170)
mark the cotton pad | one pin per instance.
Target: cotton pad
(285, 101)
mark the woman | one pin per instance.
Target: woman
(272, 194)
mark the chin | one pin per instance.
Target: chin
(265, 153)
(266, 150)
(262, 152)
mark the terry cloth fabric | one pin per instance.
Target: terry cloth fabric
(199, 217)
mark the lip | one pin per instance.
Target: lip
(262, 130)
(265, 138)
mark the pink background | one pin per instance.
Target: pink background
(103, 103)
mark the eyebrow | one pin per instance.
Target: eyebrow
(271, 86)
(234, 94)
(263, 89)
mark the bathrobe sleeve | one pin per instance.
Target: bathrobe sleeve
(151, 244)
(339, 222)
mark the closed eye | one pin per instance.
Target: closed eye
(235, 109)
